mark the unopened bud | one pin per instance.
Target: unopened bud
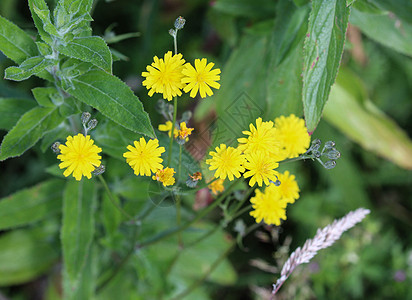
(330, 164)
(329, 144)
(172, 32)
(55, 147)
(179, 23)
(316, 153)
(333, 154)
(99, 170)
(85, 117)
(92, 124)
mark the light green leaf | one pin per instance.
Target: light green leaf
(323, 51)
(29, 67)
(12, 109)
(31, 205)
(37, 21)
(77, 233)
(44, 95)
(28, 130)
(384, 29)
(91, 49)
(26, 254)
(42, 11)
(15, 43)
(364, 123)
(113, 98)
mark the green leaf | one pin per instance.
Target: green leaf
(91, 49)
(26, 254)
(44, 96)
(29, 67)
(364, 123)
(60, 133)
(401, 8)
(42, 11)
(113, 98)
(77, 233)
(384, 29)
(284, 83)
(31, 205)
(246, 8)
(28, 130)
(12, 109)
(37, 21)
(323, 51)
(15, 43)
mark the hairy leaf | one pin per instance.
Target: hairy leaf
(113, 98)
(29, 67)
(30, 205)
(28, 130)
(15, 43)
(77, 232)
(323, 51)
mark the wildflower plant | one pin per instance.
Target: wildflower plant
(118, 227)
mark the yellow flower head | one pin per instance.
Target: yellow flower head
(79, 156)
(288, 188)
(168, 127)
(227, 161)
(261, 168)
(144, 158)
(260, 138)
(165, 176)
(292, 135)
(217, 186)
(200, 78)
(268, 206)
(164, 76)
(184, 132)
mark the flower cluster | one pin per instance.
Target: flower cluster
(170, 75)
(257, 156)
(260, 152)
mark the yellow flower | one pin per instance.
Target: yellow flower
(79, 156)
(164, 76)
(260, 138)
(184, 132)
(268, 206)
(288, 188)
(165, 176)
(217, 186)
(261, 168)
(168, 127)
(292, 135)
(227, 161)
(200, 78)
(144, 158)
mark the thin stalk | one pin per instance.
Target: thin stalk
(302, 157)
(109, 193)
(178, 202)
(172, 135)
(169, 233)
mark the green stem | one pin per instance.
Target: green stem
(169, 233)
(172, 135)
(302, 157)
(106, 187)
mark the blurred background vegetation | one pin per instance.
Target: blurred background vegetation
(372, 261)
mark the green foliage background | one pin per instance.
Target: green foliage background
(277, 57)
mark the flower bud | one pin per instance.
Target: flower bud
(330, 164)
(85, 117)
(92, 124)
(99, 170)
(316, 153)
(333, 154)
(172, 32)
(55, 147)
(329, 144)
(179, 23)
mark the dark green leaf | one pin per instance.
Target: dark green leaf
(77, 233)
(44, 95)
(31, 205)
(401, 8)
(28, 130)
(26, 254)
(91, 49)
(323, 51)
(59, 134)
(384, 29)
(29, 67)
(113, 98)
(12, 109)
(15, 43)
(246, 8)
